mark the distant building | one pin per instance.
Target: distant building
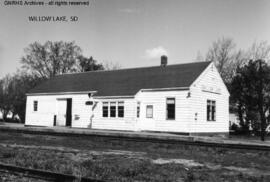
(185, 98)
(234, 119)
(9, 116)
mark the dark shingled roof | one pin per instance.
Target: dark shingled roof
(124, 82)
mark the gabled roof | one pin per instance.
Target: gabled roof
(124, 82)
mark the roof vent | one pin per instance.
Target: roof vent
(164, 61)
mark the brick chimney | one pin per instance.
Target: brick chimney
(164, 61)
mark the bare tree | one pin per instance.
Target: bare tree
(199, 56)
(221, 53)
(225, 56)
(6, 97)
(112, 66)
(51, 58)
(259, 50)
(12, 93)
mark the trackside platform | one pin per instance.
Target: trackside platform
(139, 136)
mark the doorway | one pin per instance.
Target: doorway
(69, 112)
(64, 112)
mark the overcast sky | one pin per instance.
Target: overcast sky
(135, 33)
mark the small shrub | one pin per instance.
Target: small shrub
(234, 127)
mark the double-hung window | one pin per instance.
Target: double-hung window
(138, 109)
(170, 102)
(120, 109)
(105, 109)
(149, 111)
(211, 110)
(112, 109)
(35, 105)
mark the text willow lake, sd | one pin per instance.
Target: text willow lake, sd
(52, 18)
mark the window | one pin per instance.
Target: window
(35, 105)
(170, 108)
(149, 111)
(112, 109)
(105, 108)
(138, 109)
(120, 109)
(211, 110)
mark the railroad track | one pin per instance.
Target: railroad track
(42, 175)
(142, 138)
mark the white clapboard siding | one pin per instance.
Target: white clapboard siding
(159, 121)
(81, 113)
(209, 86)
(128, 122)
(44, 115)
(47, 108)
(190, 108)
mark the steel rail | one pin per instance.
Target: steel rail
(44, 175)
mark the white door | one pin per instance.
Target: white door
(61, 115)
(148, 122)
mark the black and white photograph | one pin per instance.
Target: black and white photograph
(134, 90)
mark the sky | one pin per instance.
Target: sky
(135, 33)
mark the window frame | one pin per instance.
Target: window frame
(35, 105)
(103, 105)
(115, 111)
(167, 112)
(152, 115)
(211, 109)
(138, 109)
(118, 109)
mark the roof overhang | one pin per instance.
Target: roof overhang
(60, 93)
(108, 97)
(115, 97)
(164, 89)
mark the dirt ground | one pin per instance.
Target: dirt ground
(119, 160)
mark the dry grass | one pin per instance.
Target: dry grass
(115, 160)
